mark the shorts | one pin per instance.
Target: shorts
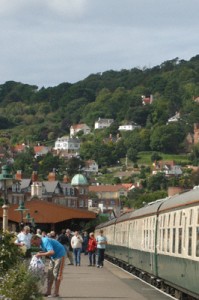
(56, 267)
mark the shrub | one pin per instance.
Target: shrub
(10, 254)
(16, 282)
(19, 283)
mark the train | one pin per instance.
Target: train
(159, 243)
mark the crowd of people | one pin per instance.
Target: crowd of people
(57, 247)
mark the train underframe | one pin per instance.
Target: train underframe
(154, 281)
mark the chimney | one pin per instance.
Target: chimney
(173, 190)
(18, 175)
(34, 176)
(51, 176)
(66, 179)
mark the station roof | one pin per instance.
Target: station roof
(45, 212)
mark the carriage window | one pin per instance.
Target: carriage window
(174, 219)
(190, 242)
(174, 241)
(197, 241)
(168, 239)
(180, 221)
(163, 239)
(180, 240)
(190, 216)
(164, 220)
(169, 220)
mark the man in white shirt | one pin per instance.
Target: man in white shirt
(24, 238)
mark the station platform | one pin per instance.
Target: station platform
(109, 282)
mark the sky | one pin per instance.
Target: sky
(48, 42)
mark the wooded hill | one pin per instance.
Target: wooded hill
(29, 114)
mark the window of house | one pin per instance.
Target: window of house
(81, 191)
(81, 203)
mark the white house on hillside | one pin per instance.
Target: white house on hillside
(174, 118)
(129, 127)
(91, 166)
(103, 123)
(74, 129)
(67, 143)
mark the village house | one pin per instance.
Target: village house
(108, 197)
(74, 129)
(103, 123)
(71, 145)
(147, 100)
(167, 167)
(91, 167)
(128, 127)
(174, 118)
(74, 194)
(41, 150)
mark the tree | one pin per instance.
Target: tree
(132, 154)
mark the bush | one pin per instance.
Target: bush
(19, 283)
(16, 282)
(10, 254)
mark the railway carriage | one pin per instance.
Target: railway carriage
(160, 242)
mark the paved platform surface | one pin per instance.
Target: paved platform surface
(105, 283)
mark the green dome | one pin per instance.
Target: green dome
(79, 179)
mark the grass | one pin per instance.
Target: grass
(145, 158)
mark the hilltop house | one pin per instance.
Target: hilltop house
(41, 150)
(90, 167)
(147, 100)
(74, 129)
(174, 118)
(103, 123)
(71, 145)
(108, 197)
(128, 127)
(167, 167)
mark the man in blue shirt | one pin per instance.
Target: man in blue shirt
(56, 251)
(101, 246)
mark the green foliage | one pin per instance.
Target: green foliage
(16, 281)
(10, 254)
(44, 113)
(19, 283)
(145, 198)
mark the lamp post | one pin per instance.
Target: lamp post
(6, 179)
(30, 220)
(21, 209)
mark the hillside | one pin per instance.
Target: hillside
(29, 114)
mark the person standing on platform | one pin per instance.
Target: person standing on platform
(55, 250)
(101, 246)
(85, 242)
(69, 247)
(91, 248)
(76, 243)
(63, 239)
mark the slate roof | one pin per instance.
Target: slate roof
(50, 186)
